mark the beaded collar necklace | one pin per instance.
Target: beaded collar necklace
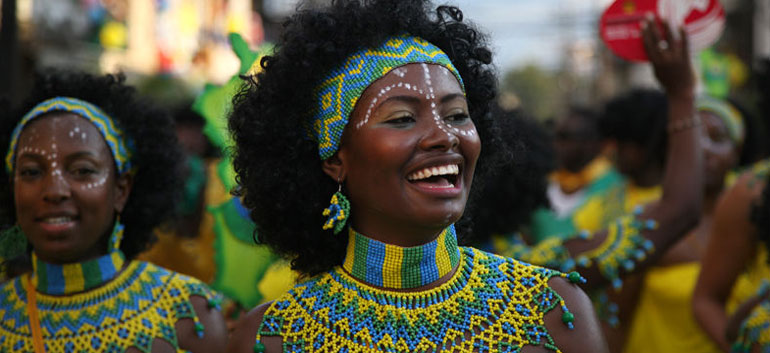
(80, 276)
(391, 266)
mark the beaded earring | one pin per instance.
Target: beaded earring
(338, 211)
(117, 236)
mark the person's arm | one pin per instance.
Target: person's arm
(586, 336)
(214, 330)
(731, 245)
(678, 210)
(244, 336)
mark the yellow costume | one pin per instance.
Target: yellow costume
(141, 304)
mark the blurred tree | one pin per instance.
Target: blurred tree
(536, 88)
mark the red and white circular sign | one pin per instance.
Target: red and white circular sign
(620, 25)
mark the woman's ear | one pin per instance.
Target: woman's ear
(334, 166)
(123, 184)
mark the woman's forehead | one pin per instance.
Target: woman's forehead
(59, 129)
(419, 78)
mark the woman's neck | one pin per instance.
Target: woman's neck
(390, 266)
(64, 279)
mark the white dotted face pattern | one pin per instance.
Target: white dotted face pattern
(423, 88)
(48, 150)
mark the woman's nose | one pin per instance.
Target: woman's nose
(438, 136)
(56, 188)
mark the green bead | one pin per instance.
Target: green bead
(568, 317)
(574, 277)
(259, 347)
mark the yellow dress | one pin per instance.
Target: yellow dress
(664, 321)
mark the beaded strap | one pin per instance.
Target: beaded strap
(623, 248)
(76, 277)
(391, 266)
(491, 303)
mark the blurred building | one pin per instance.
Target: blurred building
(182, 38)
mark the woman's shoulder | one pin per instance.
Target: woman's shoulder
(174, 280)
(192, 303)
(568, 319)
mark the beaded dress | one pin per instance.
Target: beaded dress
(490, 303)
(97, 307)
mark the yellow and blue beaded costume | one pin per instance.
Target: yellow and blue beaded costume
(755, 329)
(139, 305)
(491, 303)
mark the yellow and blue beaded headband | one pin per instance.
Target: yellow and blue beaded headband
(725, 112)
(338, 93)
(113, 135)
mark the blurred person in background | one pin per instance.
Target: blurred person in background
(735, 268)
(584, 172)
(662, 319)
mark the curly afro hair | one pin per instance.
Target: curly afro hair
(508, 196)
(156, 155)
(278, 168)
(640, 117)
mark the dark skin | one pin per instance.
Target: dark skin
(732, 245)
(634, 161)
(720, 155)
(383, 150)
(678, 210)
(63, 178)
(576, 142)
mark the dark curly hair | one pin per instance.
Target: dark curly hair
(278, 168)
(156, 155)
(508, 196)
(640, 117)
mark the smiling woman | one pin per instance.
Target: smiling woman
(91, 170)
(393, 96)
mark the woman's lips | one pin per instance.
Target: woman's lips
(57, 224)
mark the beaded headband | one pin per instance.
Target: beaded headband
(112, 134)
(337, 94)
(725, 112)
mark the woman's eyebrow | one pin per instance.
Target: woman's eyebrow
(405, 99)
(451, 96)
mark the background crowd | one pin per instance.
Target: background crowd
(666, 218)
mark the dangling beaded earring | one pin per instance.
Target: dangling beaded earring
(117, 236)
(338, 211)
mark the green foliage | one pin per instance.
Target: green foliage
(536, 88)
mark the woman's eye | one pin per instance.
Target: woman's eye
(29, 172)
(83, 171)
(401, 120)
(458, 119)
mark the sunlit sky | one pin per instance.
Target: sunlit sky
(524, 31)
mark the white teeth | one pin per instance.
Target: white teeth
(57, 220)
(449, 169)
